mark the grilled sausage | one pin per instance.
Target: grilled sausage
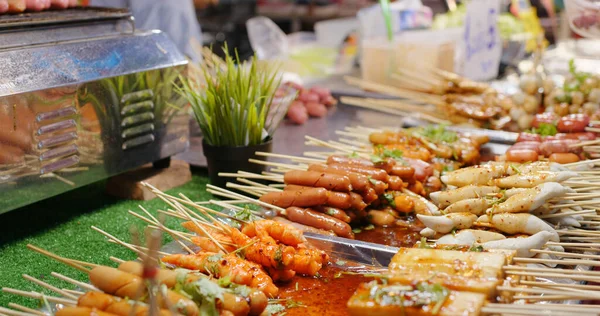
(395, 183)
(404, 172)
(357, 202)
(334, 212)
(319, 220)
(328, 181)
(123, 284)
(334, 199)
(372, 172)
(358, 181)
(300, 198)
(81, 311)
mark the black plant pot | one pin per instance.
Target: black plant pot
(233, 159)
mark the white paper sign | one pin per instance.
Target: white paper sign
(483, 47)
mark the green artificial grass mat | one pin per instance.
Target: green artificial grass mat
(62, 225)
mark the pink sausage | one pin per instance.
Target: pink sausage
(422, 169)
(35, 5)
(59, 4)
(559, 146)
(3, 6)
(528, 145)
(546, 117)
(523, 137)
(573, 123)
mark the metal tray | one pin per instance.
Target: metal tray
(501, 137)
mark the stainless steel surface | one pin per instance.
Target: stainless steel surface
(501, 137)
(355, 250)
(78, 111)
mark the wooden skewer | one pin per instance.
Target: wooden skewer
(235, 207)
(538, 307)
(189, 202)
(571, 293)
(11, 312)
(176, 236)
(82, 285)
(545, 298)
(554, 285)
(25, 309)
(556, 275)
(292, 158)
(566, 254)
(48, 286)
(555, 215)
(37, 295)
(245, 188)
(278, 164)
(140, 250)
(239, 196)
(551, 270)
(278, 178)
(76, 293)
(562, 261)
(59, 258)
(117, 241)
(246, 181)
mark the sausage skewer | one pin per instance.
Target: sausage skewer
(295, 214)
(123, 284)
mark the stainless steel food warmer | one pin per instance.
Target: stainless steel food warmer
(83, 96)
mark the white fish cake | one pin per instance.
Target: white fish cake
(475, 175)
(446, 223)
(530, 180)
(445, 198)
(519, 223)
(521, 245)
(476, 206)
(529, 199)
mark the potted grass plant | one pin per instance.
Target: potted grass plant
(238, 106)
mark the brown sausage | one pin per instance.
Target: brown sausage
(111, 304)
(357, 201)
(373, 173)
(328, 181)
(124, 284)
(81, 311)
(369, 196)
(396, 183)
(379, 186)
(235, 304)
(404, 172)
(358, 181)
(334, 212)
(352, 161)
(319, 220)
(301, 198)
(258, 300)
(334, 199)
(339, 200)
(164, 276)
(387, 164)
